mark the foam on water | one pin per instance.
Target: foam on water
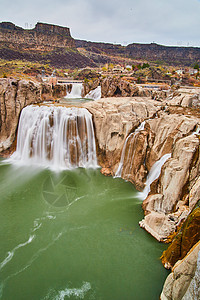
(12, 252)
(77, 292)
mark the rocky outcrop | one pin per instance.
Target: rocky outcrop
(43, 35)
(44, 43)
(149, 52)
(115, 87)
(16, 94)
(184, 280)
(114, 119)
(167, 206)
(185, 98)
(185, 239)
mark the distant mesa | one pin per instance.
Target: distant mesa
(39, 27)
(55, 45)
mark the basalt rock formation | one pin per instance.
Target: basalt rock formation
(167, 129)
(183, 282)
(151, 52)
(186, 238)
(16, 94)
(43, 43)
(114, 119)
(117, 87)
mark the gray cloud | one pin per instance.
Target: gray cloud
(168, 22)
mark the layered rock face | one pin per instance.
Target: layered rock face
(183, 281)
(187, 236)
(16, 94)
(42, 36)
(114, 119)
(165, 132)
(43, 43)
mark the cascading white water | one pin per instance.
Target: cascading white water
(56, 137)
(153, 175)
(94, 94)
(76, 91)
(121, 163)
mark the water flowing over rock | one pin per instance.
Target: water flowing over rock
(77, 90)
(165, 208)
(94, 94)
(129, 163)
(74, 90)
(56, 137)
(153, 175)
(16, 94)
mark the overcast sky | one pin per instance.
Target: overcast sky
(167, 22)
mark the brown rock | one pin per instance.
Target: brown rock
(106, 171)
(184, 280)
(186, 238)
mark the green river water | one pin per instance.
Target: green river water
(74, 235)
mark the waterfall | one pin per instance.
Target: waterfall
(94, 94)
(76, 90)
(56, 137)
(154, 174)
(131, 135)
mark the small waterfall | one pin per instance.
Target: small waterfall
(94, 94)
(129, 156)
(56, 137)
(75, 91)
(154, 174)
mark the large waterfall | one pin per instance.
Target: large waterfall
(56, 137)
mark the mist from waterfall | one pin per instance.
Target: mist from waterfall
(56, 137)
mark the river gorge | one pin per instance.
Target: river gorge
(67, 230)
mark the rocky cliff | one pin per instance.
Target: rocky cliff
(184, 280)
(168, 129)
(151, 52)
(44, 43)
(52, 43)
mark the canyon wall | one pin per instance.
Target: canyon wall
(141, 130)
(44, 43)
(42, 37)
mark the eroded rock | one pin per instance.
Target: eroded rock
(184, 281)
